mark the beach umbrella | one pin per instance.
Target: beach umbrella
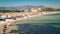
(2, 17)
(8, 16)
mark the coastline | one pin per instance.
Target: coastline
(10, 21)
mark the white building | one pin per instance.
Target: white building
(26, 10)
(40, 9)
(36, 9)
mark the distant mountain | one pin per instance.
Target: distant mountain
(21, 7)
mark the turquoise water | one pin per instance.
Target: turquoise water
(46, 24)
(52, 18)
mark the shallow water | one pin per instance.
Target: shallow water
(46, 24)
(53, 18)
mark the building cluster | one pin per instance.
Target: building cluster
(34, 10)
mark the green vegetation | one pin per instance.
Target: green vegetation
(11, 11)
(50, 9)
(57, 9)
(7, 11)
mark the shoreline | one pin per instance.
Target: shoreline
(10, 21)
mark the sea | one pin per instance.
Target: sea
(45, 24)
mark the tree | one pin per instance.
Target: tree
(49, 9)
(57, 9)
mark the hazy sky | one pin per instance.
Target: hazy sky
(47, 3)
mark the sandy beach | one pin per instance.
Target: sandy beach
(9, 21)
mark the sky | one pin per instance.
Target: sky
(47, 3)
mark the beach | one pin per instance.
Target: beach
(9, 21)
(39, 24)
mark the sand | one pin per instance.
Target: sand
(10, 21)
